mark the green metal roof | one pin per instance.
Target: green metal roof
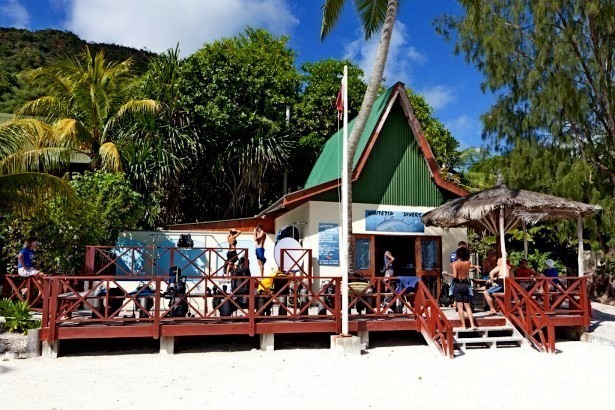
(328, 166)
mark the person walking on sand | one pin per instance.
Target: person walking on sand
(231, 255)
(259, 239)
(461, 283)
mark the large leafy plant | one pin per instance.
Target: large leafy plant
(18, 316)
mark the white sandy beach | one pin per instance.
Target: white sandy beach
(579, 377)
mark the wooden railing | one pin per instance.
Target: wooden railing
(205, 299)
(380, 297)
(156, 260)
(435, 327)
(24, 289)
(529, 317)
(537, 306)
(297, 262)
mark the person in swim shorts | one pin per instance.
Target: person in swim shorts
(259, 239)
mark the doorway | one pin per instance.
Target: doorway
(403, 250)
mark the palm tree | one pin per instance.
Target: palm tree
(87, 100)
(25, 159)
(375, 16)
(157, 149)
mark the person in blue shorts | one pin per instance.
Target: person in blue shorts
(259, 239)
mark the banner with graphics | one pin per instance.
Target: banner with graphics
(394, 221)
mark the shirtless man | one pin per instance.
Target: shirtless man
(259, 239)
(231, 255)
(461, 285)
(496, 278)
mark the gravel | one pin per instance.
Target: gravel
(13, 342)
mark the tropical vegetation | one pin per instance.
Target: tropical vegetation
(224, 132)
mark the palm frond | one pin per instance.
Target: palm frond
(22, 193)
(23, 134)
(372, 14)
(110, 157)
(132, 107)
(72, 132)
(49, 107)
(331, 11)
(37, 159)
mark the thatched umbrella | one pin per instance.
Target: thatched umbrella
(511, 207)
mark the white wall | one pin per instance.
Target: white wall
(206, 239)
(329, 212)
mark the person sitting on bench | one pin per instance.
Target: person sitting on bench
(496, 280)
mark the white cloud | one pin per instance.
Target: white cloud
(14, 14)
(466, 130)
(439, 96)
(160, 24)
(400, 59)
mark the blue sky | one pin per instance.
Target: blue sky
(418, 56)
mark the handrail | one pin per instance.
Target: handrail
(206, 299)
(24, 289)
(528, 316)
(435, 327)
(380, 297)
(153, 260)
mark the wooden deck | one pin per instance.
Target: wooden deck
(101, 306)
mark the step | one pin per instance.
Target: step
(484, 329)
(492, 343)
(489, 339)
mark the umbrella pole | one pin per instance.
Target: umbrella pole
(524, 239)
(502, 244)
(580, 237)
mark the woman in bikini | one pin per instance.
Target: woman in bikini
(461, 283)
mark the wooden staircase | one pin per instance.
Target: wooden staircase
(490, 335)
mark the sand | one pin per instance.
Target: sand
(579, 377)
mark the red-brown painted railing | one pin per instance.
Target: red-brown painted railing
(435, 327)
(525, 314)
(206, 298)
(147, 260)
(533, 305)
(380, 297)
(24, 289)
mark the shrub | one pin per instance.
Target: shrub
(18, 316)
(105, 205)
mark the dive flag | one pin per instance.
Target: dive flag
(339, 103)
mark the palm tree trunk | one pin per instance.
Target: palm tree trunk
(366, 107)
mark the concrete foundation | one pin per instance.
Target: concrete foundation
(364, 339)
(167, 344)
(346, 345)
(34, 343)
(51, 349)
(267, 342)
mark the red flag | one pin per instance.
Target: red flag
(339, 103)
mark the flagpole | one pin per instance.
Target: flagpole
(344, 263)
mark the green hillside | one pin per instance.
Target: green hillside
(22, 50)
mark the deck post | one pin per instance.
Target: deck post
(580, 237)
(51, 348)
(524, 238)
(267, 342)
(167, 345)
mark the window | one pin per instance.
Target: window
(362, 253)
